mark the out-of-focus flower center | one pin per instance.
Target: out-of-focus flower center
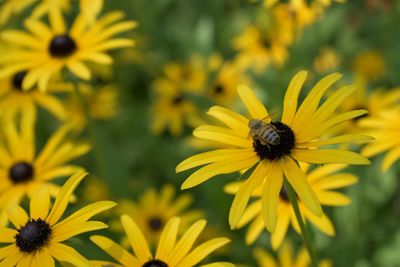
(155, 263)
(284, 194)
(21, 172)
(218, 89)
(62, 46)
(33, 235)
(18, 80)
(177, 100)
(155, 223)
(263, 143)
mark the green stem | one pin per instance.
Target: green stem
(92, 130)
(305, 230)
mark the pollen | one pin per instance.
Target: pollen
(273, 152)
(33, 235)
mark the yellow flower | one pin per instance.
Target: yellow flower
(11, 8)
(228, 77)
(45, 50)
(102, 101)
(385, 129)
(296, 138)
(170, 251)
(369, 65)
(286, 258)
(22, 171)
(36, 240)
(327, 60)
(13, 99)
(172, 107)
(257, 50)
(154, 209)
(323, 181)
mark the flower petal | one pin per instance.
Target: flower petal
(253, 105)
(291, 97)
(136, 239)
(322, 156)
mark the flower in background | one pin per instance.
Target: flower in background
(154, 209)
(14, 100)
(323, 181)
(172, 106)
(286, 258)
(102, 102)
(170, 252)
(228, 76)
(369, 66)
(258, 49)
(22, 171)
(299, 140)
(385, 129)
(327, 60)
(12, 8)
(45, 51)
(36, 240)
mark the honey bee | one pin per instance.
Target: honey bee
(265, 133)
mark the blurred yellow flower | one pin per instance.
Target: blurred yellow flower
(172, 106)
(22, 170)
(153, 209)
(12, 8)
(171, 252)
(297, 138)
(323, 181)
(327, 60)
(102, 104)
(45, 51)
(385, 129)
(14, 100)
(369, 65)
(36, 240)
(286, 258)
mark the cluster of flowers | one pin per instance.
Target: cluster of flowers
(281, 182)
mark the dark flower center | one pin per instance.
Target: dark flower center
(177, 100)
(218, 89)
(62, 46)
(155, 263)
(34, 235)
(284, 194)
(272, 152)
(18, 80)
(155, 223)
(21, 172)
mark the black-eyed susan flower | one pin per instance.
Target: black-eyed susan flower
(327, 60)
(102, 104)
(46, 50)
(385, 129)
(22, 170)
(323, 181)
(154, 209)
(286, 258)
(13, 99)
(171, 251)
(173, 107)
(369, 65)
(37, 240)
(296, 138)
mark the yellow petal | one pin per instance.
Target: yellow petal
(60, 235)
(222, 135)
(322, 156)
(291, 97)
(79, 69)
(17, 216)
(136, 239)
(323, 223)
(168, 238)
(390, 159)
(270, 196)
(67, 254)
(297, 179)
(115, 251)
(263, 258)
(243, 195)
(40, 203)
(347, 138)
(255, 230)
(253, 105)
(231, 119)
(7, 236)
(333, 198)
(281, 228)
(64, 196)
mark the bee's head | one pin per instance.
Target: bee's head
(255, 124)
